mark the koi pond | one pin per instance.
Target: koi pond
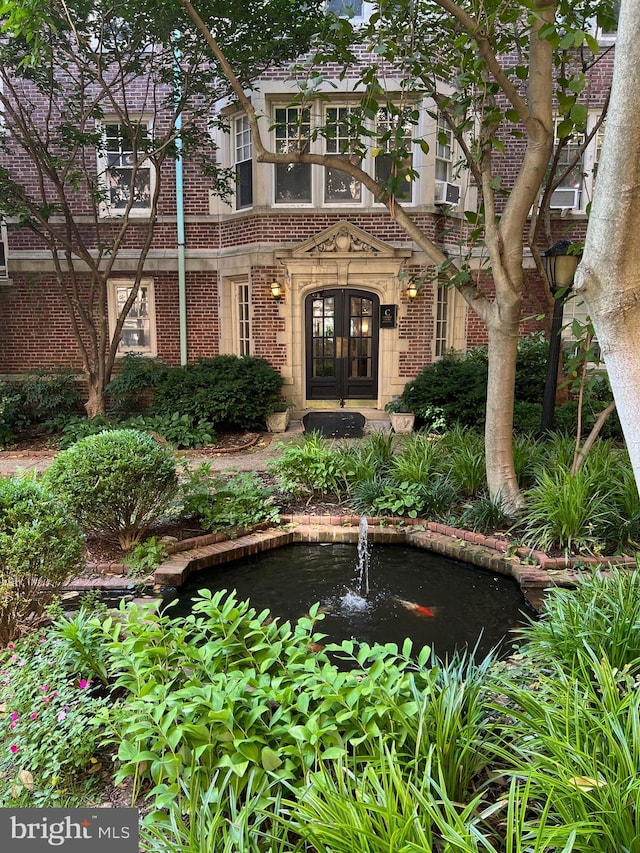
(376, 596)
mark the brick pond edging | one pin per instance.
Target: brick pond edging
(534, 571)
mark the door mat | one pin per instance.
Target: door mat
(335, 424)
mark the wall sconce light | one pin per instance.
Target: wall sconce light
(412, 291)
(276, 289)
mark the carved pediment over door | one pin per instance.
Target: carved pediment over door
(343, 247)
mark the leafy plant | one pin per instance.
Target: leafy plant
(485, 515)
(567, 511)
(178, 430)
(146, 556)
(52, 725)
(313, 466)
(50, 394)
(115, 484)
(40, 549)
(131, 389)
(239, 501)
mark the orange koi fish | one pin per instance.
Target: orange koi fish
(419, 609)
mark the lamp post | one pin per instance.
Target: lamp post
(561, 269)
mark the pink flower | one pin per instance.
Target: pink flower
(33, 716)
(45, 688)
(10, 646)
(13, 748)
(84, 683)
(61, 716)
(14, 716)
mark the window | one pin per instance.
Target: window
(340, 188)
(570, 191)
(345, 8)
(393, 169)
(139, 330)
(4, 251)
(127, 176)
(444, 150)
(441, 343)
(243, 153)
(292, 133)
(609, 33)
(244, 323)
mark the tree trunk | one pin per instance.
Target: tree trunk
(95, 404)
(502, 353)
(609, 276)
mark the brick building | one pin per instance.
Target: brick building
(301, 266)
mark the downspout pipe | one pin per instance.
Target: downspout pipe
(182, 275)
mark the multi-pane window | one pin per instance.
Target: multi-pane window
(292, 134)
(569, 172)
(444, 150)
(243, 154)
(138, 331)
(345, 8)
(394, 161)
(4, 251)
(341, 128)
(244, 323)
(128, 177)
(441, 343)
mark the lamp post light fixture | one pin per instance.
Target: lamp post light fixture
(276, 289)
(412, 291)
(561, 268)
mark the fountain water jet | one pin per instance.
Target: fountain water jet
(353, 599)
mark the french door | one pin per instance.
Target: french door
(342, 344)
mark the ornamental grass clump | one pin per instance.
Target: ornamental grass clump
(40, 549)
(116, 484)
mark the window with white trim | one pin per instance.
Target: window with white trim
(394, 134)
(441, 342)
(444, 150)
(355, 10)
(4, 251)
(571, 170)
(243, 162)
(340, 123)
(292, 133)
(607, 36)
(244, 323)
(126, 174)
(139, 329)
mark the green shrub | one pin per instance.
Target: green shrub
(40, 549)
(13, 415)
(240, 501)
(457, 385)
(226, 390)
(145, 557)
(315, 466)
(178, 430)
(131, 389)
(74, 429)
(116, 484)
(51, 394)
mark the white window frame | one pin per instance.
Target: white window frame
(4, 251)
(110, 163)
(363, 15)
(339, 145)
(606, 37)
(378, 128)
(283, 143)
(149, 349)
(242, 319)
(242, 149)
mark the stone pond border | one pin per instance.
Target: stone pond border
(534, 571)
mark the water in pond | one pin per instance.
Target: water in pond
(436, 601)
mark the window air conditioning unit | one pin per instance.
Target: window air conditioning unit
(565, 198)
(446, 193)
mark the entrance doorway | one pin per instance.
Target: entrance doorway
(342, 344)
